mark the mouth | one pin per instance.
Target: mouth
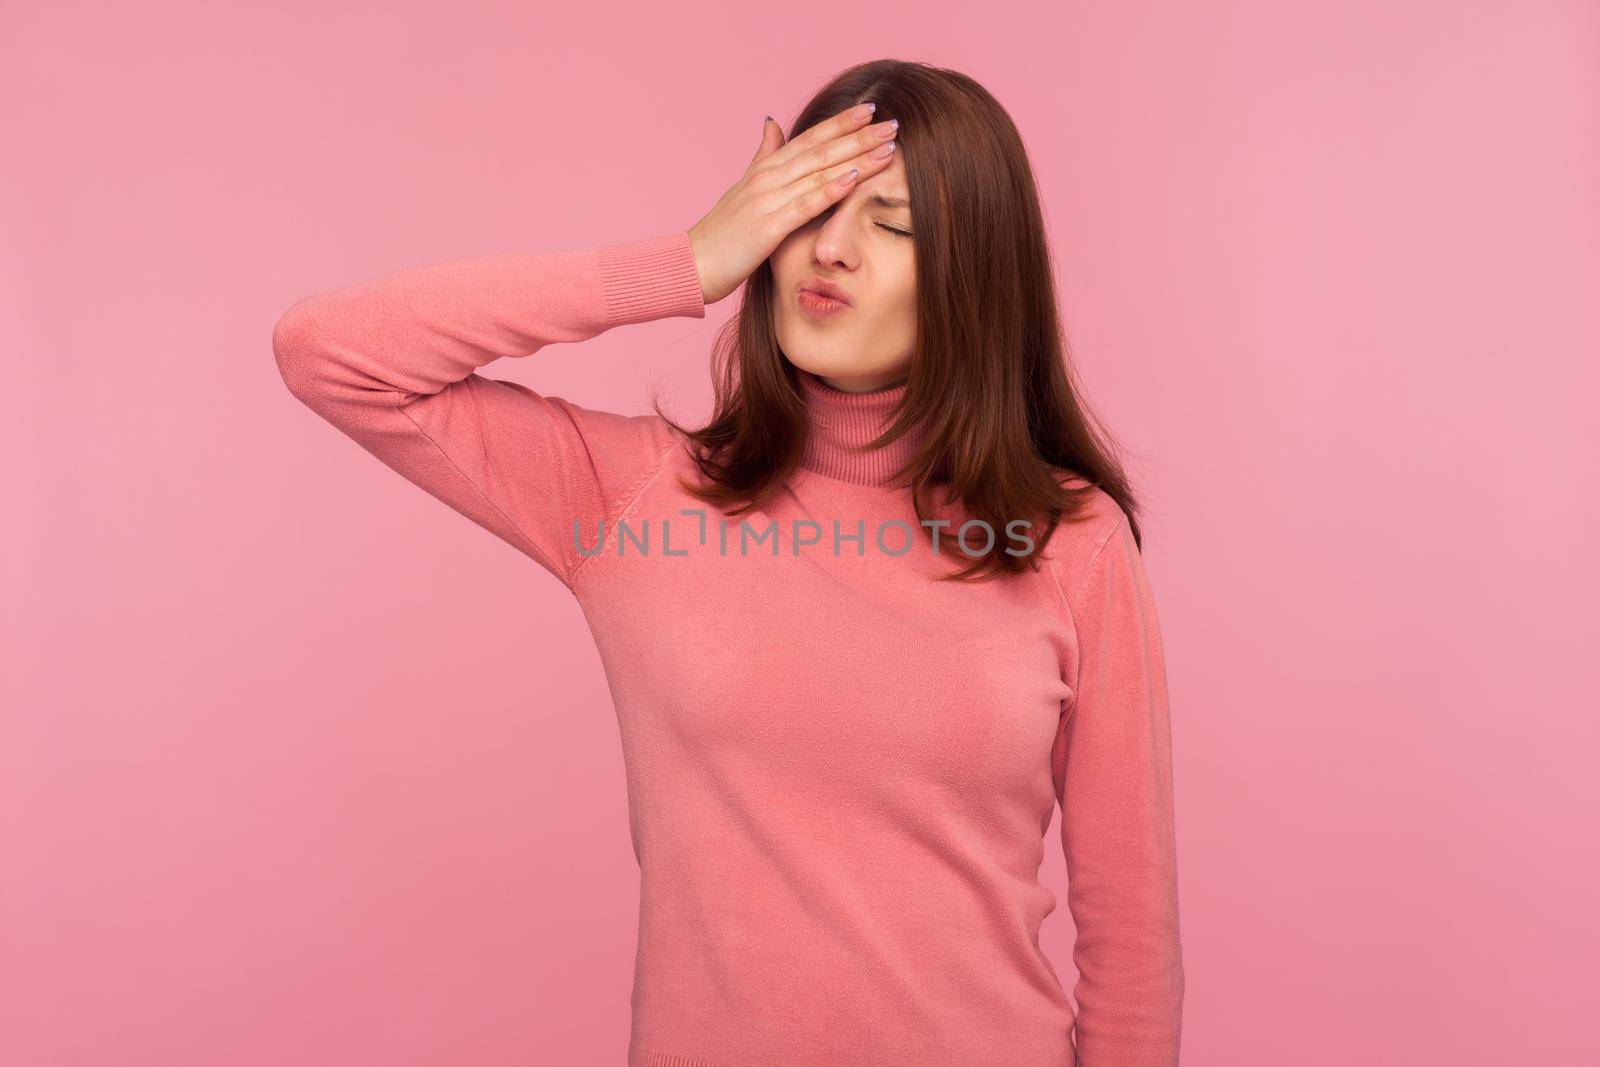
(820, 298)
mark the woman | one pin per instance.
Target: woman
(864, 629)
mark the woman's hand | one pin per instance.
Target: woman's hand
(786, 185)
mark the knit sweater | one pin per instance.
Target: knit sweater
(840, 772)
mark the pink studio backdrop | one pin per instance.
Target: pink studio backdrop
(299, 766)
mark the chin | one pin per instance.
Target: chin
(837, 358)
(823, 365)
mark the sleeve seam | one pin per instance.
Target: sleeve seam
(638, 490)
(1072, 623)
(1083, 582)
(1072, 611)
(527, 545)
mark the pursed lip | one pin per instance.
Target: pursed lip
(822, 287)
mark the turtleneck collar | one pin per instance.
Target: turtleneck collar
(841, 421)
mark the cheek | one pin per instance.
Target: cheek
(785, 261)
(898, 276)
(905, 303)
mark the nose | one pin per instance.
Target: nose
(835, 244)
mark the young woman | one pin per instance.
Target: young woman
(865, 628)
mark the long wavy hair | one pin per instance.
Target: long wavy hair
(1007, 426)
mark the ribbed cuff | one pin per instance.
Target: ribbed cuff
(653, 278)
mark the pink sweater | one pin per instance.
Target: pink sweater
(840, 772)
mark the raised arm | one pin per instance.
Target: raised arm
(391, 363)
(1112, 762)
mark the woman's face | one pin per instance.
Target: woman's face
(868, 344)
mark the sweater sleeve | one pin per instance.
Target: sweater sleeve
(1112, 764)
(391, 362)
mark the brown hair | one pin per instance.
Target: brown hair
(1005, 416)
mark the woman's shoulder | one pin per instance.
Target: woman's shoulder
(1079, 537)
(1097, 511)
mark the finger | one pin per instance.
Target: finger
(830, 153)
(846, 121)
(771, 139)
(828, 186)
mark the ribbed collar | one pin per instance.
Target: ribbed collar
(840, 421)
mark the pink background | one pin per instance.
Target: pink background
(299, 766)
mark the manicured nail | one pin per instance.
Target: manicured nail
(865, 111)
(849, 176)
(883, 151)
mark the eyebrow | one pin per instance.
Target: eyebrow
(888, 201)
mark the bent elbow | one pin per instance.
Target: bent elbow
(298, 351)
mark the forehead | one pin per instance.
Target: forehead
(887, 188)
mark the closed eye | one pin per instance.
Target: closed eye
(827, 211)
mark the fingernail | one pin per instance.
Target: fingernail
(865, 111)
